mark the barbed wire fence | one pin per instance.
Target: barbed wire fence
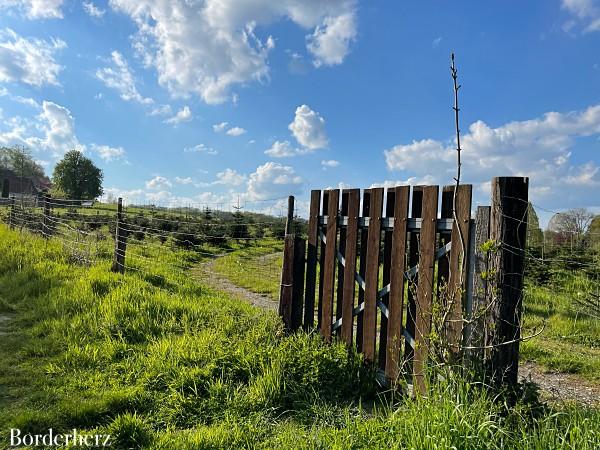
(240, 241)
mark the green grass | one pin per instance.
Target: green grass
(174, 365)
(256, 267)
(570, 341)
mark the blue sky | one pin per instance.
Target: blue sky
(204, 101)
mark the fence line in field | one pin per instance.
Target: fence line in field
(143, 240)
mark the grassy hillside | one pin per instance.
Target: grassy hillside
(159, 362)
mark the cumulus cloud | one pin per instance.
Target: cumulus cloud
(93, 11)
(120, 78)
(540, 148)
(329, 163)
(186, 180)
(207, 47)
(58, 126)
(108, 153)
(585, 11)
(36, 9)
(219, 127)
(330, 43)
(28, 60)
(282, 149)
(158, 182)
(161, 110)
(183, 115)
(201, 148)
(230, 177)
(273, 180)
(308, 128)
(236, 131)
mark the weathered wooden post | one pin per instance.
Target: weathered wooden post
(478, 312)
(508, 230)
(118, 264)
(46, 217)
(286, 290)
(11, 214)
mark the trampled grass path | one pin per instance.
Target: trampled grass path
(206, 274)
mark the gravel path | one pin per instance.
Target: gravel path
(561, 387)
(207, 274)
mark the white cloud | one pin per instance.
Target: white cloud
(28, 60)
(230, 177)
(201, 148)
(329, 163)
(52, 130)
(282, 149)
(158, 182)
(186, 180)
(161, 110)
(207, 47)
(586, 11)
(36, 9)
(183, 115)
(330, 43)
(219, 127)
(120, 78)
(540, 148)
(273, 180)
(236, 131)
(92, 10)
(58, 126)
(436, 42)
(308, 128)
(108, 153)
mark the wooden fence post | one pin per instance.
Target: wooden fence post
(46, 217)
(292, 274)
(11, 214)
(120, 242)
(477, 330)
(508, 228)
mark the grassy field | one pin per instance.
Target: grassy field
(256, 267)
(570, 341)
(160, 362)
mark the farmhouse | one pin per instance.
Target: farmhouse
(15, 186)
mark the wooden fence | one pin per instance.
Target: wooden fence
(379, 272)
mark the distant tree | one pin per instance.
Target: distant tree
(571, 225)
(18, 159)
(78, 177)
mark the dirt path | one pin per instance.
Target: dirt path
(207, 274)
(561, 387)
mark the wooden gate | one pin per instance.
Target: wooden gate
(378, 271)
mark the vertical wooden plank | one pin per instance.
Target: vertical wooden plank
(458, 268)
(329, 265)
(323, 247)
(396, 296)
(118, 264)
(311, 259)
(350, 268)
(508, 227)
(413, 259)
(364, 235)
(479, 290)
(385, 275)
(425, 285)
(298, 282)
(340, 267)
(372, 274)
(287, 280)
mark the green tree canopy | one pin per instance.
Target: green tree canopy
(19, 160)
(78, 177)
